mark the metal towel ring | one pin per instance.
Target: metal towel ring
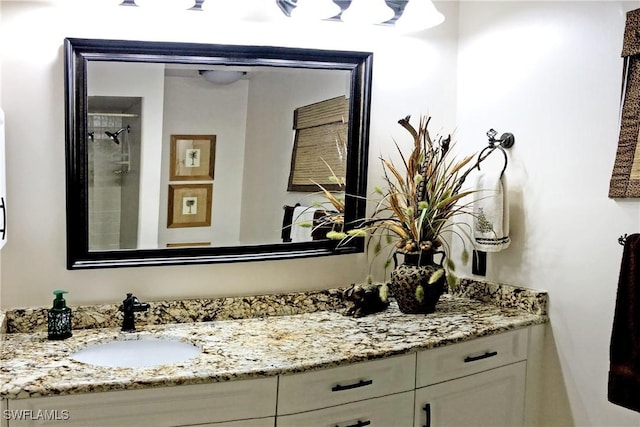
(506, 141)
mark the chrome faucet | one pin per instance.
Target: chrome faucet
(129, 306)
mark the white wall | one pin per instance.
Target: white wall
(270, 137)
(550, 72)
(194, 106)
(411, 75)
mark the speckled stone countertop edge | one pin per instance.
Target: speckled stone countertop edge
(34, 319)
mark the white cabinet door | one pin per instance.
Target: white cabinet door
(389, 411)
(491, 398)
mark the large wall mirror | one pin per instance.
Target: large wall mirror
(182, 153)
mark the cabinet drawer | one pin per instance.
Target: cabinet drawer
(457, 360)
(335, 386)
(167, 406)
(388, 411)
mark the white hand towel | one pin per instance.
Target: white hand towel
(302, 215)
(491, 212)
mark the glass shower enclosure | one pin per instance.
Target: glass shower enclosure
(114, 141)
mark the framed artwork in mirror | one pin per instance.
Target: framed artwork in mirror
(192, 157)
(189, 205)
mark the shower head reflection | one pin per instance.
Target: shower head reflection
(114, 135)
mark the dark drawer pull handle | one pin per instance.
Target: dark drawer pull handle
(361, 383)
(358, 424)
(487, 355)
(427, 412)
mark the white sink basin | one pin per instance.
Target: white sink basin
(142, 352)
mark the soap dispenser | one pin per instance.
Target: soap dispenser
(59, 322)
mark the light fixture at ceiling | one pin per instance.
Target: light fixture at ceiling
(315, 9)
(165, 4)
(419, 15)
(241, 10)
(367, 12)
(225, 9)
(222, 77)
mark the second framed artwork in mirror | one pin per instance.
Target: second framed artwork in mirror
(192, 157)
(189, 205)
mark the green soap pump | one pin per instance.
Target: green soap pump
(59, 321)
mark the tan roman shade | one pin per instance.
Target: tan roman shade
(320, 136)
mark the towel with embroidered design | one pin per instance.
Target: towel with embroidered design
(491, 212)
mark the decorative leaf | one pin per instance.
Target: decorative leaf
(393, 170)
(419, 293)
(465, 256)
(462, 163)
(357, 232)
(436, 275)
(451, 265)
(452, 281)
(377, 248)
(384, 292)
(336, 235)
(337, 204)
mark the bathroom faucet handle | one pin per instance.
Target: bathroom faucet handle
(130, 306)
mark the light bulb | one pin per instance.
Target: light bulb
(222, 77)
(250, 10)
(315, 9)
(166, 4)
(367, 12)
(419, 15)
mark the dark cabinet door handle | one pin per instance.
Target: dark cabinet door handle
(487, 355)
(427, 411)
(360, 423)
(361, 383)
(3, 230)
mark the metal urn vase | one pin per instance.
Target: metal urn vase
(416, 270)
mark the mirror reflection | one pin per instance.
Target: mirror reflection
(253, 124)
(184, 153)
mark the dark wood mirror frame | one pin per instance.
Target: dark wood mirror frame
(77, 53)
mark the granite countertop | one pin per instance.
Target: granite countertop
(317, 335)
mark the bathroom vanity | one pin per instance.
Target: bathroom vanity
(471, 362)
